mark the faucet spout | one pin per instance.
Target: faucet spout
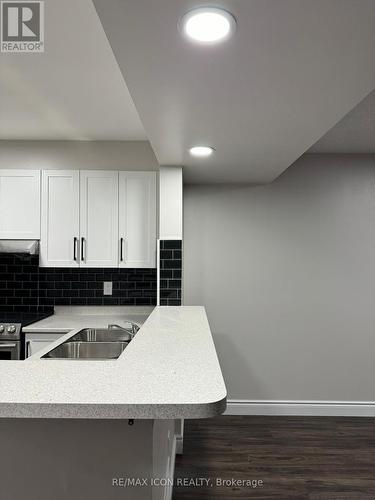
(132, 330)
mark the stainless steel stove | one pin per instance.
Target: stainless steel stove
(10, 341)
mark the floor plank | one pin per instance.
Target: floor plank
(306, 458)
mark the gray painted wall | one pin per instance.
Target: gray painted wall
(287, 274)
(78, 155)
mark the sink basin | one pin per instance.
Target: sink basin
(101, 335)
(95, 343)
(87, 350)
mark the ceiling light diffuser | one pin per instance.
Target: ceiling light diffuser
(201, 151)
(208, 25)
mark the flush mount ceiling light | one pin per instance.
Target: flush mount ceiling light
(201, 151)
(208, 25)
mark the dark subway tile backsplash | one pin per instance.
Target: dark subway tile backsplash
(170, 272)
(19, 280)
(24, 286)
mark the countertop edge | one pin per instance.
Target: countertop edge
(112, 411)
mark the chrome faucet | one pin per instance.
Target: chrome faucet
(132, 330)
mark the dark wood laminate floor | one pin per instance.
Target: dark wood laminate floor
(314, 458)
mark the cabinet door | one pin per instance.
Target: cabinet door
(99, 218)
(37, 341)
(59, 245)
(19, 204)
(137, 219)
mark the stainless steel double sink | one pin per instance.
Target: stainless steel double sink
(87, 350)
(94, 343)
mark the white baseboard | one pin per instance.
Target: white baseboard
(311, 408)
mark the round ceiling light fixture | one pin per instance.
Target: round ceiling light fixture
(208, 25)
(201, 151)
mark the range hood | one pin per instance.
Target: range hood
(19, 246)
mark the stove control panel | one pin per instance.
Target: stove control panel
(10, 330)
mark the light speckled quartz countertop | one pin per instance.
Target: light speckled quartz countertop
(169, 370)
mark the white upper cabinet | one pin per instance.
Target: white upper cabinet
(99, 218)
(59, 244)
(20, 204)
(137, 219)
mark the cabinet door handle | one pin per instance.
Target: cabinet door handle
(75, 249)
(82, 250)
(27, 348)
(121, 249)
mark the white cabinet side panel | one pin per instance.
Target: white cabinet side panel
(171, 201)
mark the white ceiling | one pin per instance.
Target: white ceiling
(74, 90)
(355, 133)
(293, 70)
